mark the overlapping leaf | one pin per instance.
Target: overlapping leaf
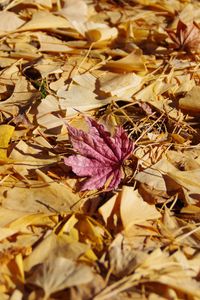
(109, 59)
(100, 156)
(187, 36)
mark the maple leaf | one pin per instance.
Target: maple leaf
(186, 37)
(100, 156)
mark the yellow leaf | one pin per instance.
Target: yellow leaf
(6, 132)
(51, 44)
(89, 254)
(19, 267)
(45, 20)
(133, 62)
(9, 21)
(16, 269)
(120, 85)
(128, 206)
(107, 209)
(101, 34)
(75, 11)
(6, 232)
(190, 102)
(24, 223)
(68, 228)
(79, 98)
(41, 252)
(134, 209)
(58, 273)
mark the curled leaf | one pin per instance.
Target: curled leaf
(100, 156)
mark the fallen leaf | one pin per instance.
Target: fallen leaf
(23, 93)
(9, 215)
(9, 21)
(27, 157)
(39, 3)
(122, 86)
(190, 102)
(24, 223)
(134, 210)
(51, 44)
(133, 62)
(100, 32)
(59, 273)
(108, 209)
(76, 11)
(122, 259)
(44, 117)
(45, 20)
(6, 132)
(186, 37)
(6, 232)
(129, 207)
(153, 176)
(189, 14)
(42, 197)
(79, 98)
(64, 244)
(113, 61)
(100, 156)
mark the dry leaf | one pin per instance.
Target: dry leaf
(59, 273)
(76, 11)
(39, 3)
(97, 32)
(45, 20)
(134, 210)
(51, 44)
(45, 118)
(100, 156)
(27, 157)
(122, 86)
(79, 99)
(153, 176)
(190, 102)
(129, 207)
(23, 93)
(9, 21)
(110, 60)
(64, 244)
(133, 62)
(186, 37)
(42, 197)
(6, 132)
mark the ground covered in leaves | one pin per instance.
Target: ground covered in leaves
(99, 149)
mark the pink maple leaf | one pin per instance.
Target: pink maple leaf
(187, 36)
(100, 157)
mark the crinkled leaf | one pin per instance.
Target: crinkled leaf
(100, 156)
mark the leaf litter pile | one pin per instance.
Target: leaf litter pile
(99, 149)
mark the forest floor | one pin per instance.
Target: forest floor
(99, 149)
